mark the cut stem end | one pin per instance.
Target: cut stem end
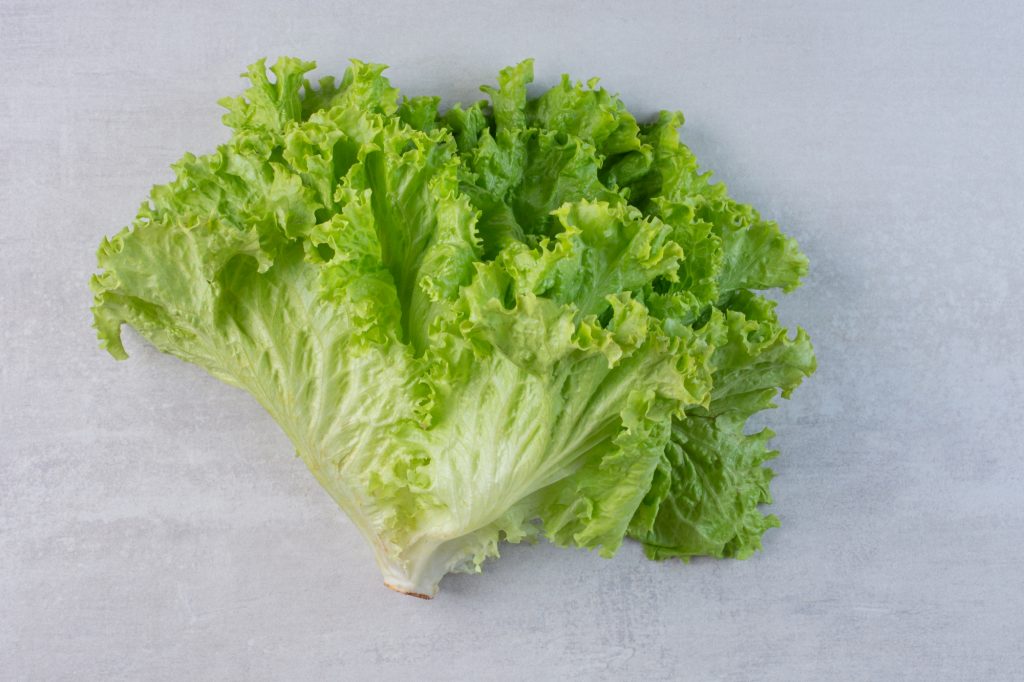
(403, 590)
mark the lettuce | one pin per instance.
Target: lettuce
(519, 318)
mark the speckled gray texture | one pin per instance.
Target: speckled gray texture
(154, 524)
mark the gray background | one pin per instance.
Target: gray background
(154, 524)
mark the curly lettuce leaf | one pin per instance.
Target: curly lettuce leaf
(714, 478)
(523, 318)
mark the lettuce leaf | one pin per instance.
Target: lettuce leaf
(523, 318)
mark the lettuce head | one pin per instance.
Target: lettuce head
(520, 318)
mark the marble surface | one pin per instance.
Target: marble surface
(155, 525)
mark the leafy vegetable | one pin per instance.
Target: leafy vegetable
(529, 317)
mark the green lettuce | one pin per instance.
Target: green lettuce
(518, 318)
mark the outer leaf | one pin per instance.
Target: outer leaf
(714, 479)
